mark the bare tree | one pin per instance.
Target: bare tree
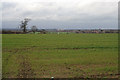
(24, 24)
(34, 29)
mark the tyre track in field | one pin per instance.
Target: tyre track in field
(6, 63)
(25, 70)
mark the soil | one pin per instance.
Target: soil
(25, 70)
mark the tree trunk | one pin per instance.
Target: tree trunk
(24, 30)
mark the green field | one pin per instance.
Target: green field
(60, 56)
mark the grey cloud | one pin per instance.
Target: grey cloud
(8, 6)
(62, 25)
(54, 15)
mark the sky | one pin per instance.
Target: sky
(61, 14)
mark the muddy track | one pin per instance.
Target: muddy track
(25, 70)
(6, 61)
(34, 47)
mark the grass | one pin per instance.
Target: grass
(60, 56)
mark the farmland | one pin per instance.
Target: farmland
(60, 56)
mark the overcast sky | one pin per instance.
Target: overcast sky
(56, 14)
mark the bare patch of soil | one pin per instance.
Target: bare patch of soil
(70, 48)
(105, 75)
(25, 70)
(34, 47)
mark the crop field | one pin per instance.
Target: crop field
(60, 55)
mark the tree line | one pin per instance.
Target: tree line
(34, 29)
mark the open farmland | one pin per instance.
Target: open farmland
(60, 56)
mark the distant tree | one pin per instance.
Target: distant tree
(34, 29)
(23, 25)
